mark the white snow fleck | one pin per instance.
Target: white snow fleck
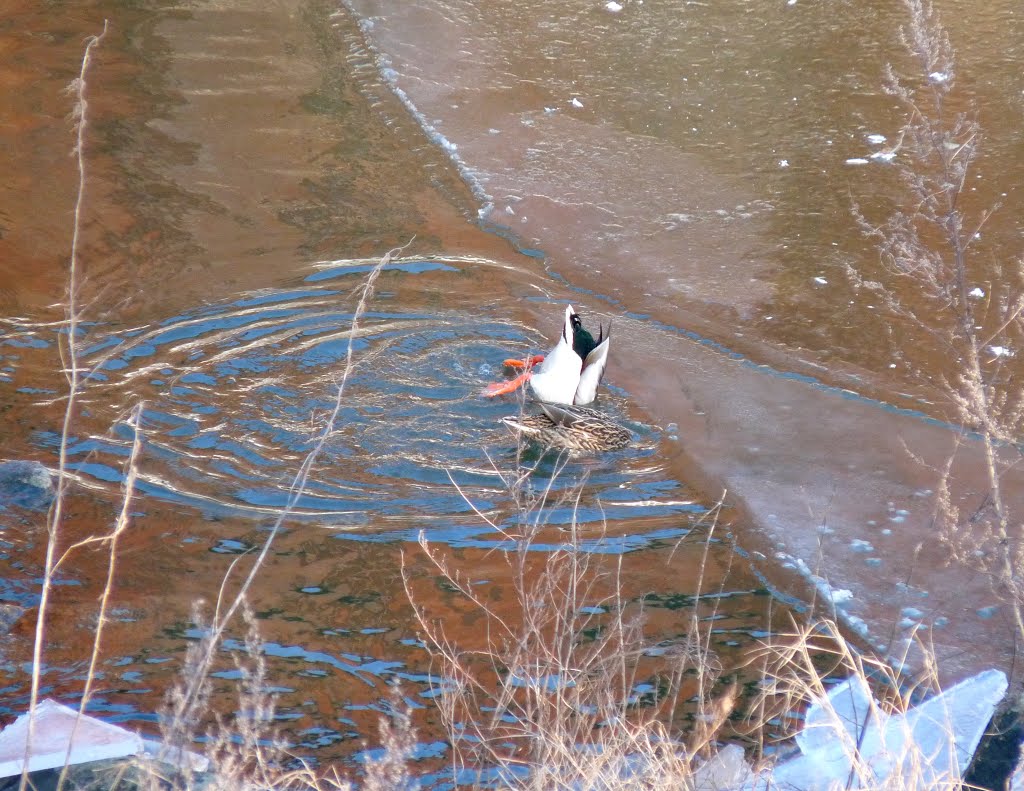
(857, 624)
(856, 161)
(884, 156)
(509, 210)
(576, 102)
(612, 6)
(939, 76)
(841, 595)
(493, 131)
(976, 292)
(860, 545)
(821, 281)
(1001, 351)
(876, 139)
(783, 163)
(550, 110)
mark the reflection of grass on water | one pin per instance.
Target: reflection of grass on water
(569, 694)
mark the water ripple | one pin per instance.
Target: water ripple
(236, 394)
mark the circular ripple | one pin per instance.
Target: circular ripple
(236, 395)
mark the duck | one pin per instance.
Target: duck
(570, 427)
(568, 374)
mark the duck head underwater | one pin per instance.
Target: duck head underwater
(564, 381)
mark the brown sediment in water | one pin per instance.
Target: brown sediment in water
(831, 480)
(338, 627)
(227, 151)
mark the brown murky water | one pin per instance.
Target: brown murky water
(238, 165)
(246, 163)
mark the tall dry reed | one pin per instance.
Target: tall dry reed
(969, 307)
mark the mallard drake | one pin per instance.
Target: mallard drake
(569, 373)
(570, 427)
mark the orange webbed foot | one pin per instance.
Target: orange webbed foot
(529, 362)
(501, 388)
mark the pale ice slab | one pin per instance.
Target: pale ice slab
(927, 747)
(94, 740)
(849, 742)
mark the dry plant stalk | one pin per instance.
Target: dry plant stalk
(56, 514)
(932, 281)
(188, 702)
(244, 751)
(548, 700)
(185, 704)
(226, 608)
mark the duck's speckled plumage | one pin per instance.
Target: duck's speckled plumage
(570, 427)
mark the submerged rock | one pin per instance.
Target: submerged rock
(9, 615)
(25, 484)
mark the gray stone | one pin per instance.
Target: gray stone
(9, 614)
(26, 484)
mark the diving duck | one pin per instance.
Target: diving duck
(569, 373)
(571, 428)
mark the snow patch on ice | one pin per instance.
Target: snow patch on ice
(976, 292)
(612, 6)
(841, 595)
(857, 161)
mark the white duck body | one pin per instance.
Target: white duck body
(564, 377)
(558, 377)
(593, 370)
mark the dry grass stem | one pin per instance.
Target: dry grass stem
(56, 514)
(968, 307)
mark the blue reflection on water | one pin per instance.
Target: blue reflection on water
(247, 385)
